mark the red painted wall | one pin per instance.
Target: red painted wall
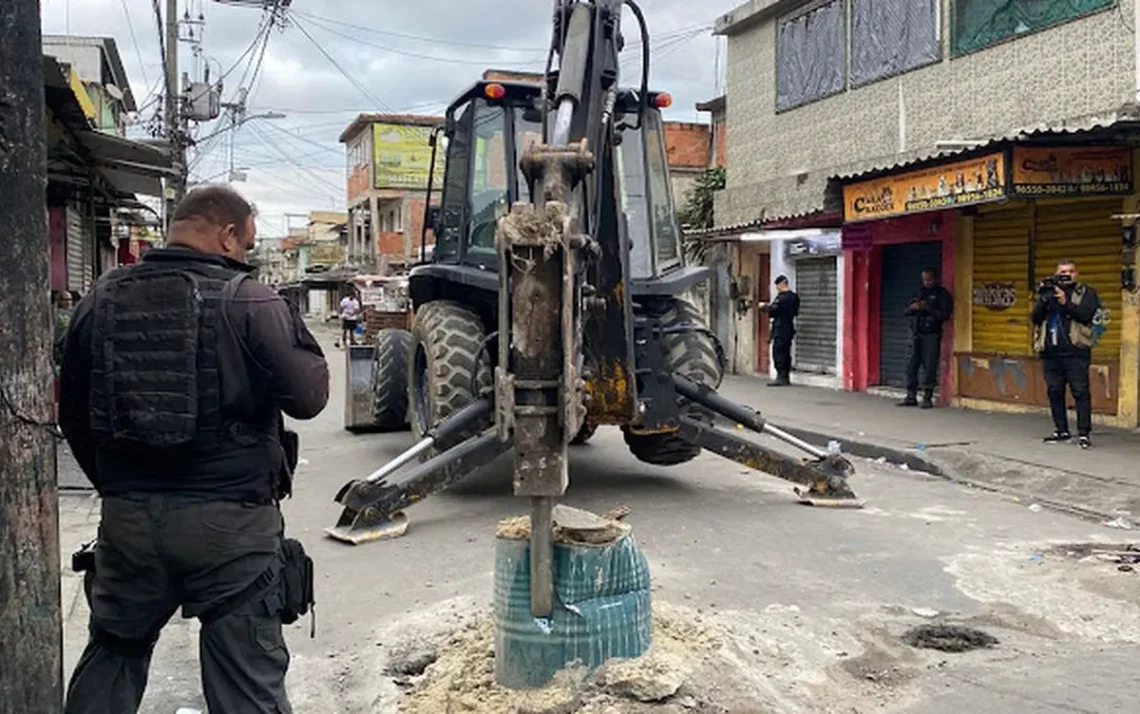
(863, 246)
(57, 245)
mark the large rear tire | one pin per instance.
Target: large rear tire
(584, 434)
(692, 353)
(390, 380)
(449, 367)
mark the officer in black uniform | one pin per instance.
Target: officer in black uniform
(783, 311)
(175, 374)
(930, 307)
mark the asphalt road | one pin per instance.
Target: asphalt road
(725, 540)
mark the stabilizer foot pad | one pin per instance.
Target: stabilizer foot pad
(821, 502)
(356, 532)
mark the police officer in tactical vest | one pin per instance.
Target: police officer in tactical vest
(175, 375)
(928, 309)
(1063, 335)
(783, 311)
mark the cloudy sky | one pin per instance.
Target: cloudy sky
(337, 58)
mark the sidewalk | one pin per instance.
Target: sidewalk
(1001, 452)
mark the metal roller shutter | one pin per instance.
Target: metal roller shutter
(1085, 233)
(79, 258)
(901, 276)
(1001, 258)
(817, 324)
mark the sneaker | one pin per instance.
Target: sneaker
(1058, 437)
(908, 402)
(926, 404)
(1084, 442)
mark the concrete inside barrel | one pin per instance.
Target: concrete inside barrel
(602, 598)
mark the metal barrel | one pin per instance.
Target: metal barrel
(602, 609)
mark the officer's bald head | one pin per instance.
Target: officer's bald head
(214, 219)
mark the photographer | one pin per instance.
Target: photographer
(1063, 336)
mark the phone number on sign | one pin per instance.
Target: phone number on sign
(1061, 189)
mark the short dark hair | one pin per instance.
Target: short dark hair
(781, 279)
(1066, 261)
(931, 271)
(218, 205)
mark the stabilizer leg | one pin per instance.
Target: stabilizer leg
(374, 510)
(825, 476)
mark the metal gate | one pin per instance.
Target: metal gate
(79, 252)
(817, 325)
(901, 277)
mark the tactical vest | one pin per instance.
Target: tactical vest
(1080, 336)
(156, 379)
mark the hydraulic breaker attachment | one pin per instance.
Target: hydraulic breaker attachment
(373, 506)
(825, 476)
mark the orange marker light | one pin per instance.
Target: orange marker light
(663, 100)
(495, 91)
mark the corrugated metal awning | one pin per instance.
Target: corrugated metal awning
(1125, 122)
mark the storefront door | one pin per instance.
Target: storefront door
(901, 273)
(817, 325)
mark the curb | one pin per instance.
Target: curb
(924, 464)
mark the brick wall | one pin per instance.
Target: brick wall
(390, 243)
(779, 163)
(719, 131)
(687, 145)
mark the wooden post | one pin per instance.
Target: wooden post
(31, 647)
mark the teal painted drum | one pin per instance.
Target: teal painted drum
(601, 610)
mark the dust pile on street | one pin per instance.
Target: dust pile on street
(700, 663)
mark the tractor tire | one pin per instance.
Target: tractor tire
(390, 380)
(584, 434)
(448, 365)
(693, 354)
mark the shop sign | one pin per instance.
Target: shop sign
(961, 183)
(1072, 170)
(326, 253)
(402, 156)
(826, 244)
(995, 296)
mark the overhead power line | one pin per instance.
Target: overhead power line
(418, 38)
(135, 41)
(420, 55)
(360, 87)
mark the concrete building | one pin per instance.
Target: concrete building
(94, 173)
(388, 162)
(986, 140)
(96, 62)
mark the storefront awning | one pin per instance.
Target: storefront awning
(129, 166)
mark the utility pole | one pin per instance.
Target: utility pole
(31, 640)
(174, 130)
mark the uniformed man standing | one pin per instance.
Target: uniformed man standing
(783, 311)
(928, 309)
(175, 374)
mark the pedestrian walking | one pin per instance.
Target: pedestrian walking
(931, 306)
(1063, 335)
(175, 374)
(782, 311)
(349, 317)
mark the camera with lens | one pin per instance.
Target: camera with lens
(1049, 285)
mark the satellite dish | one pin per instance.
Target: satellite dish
(115, 92)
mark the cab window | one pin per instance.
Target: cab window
(489, 173)
(454, 204)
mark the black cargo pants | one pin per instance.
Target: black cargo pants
(1069, 368)
(157, 553)
(782, 353)
(925, 352)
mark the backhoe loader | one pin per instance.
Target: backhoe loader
(551, 303)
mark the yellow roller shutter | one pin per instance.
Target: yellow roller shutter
(1001, 261)
(1084, 232)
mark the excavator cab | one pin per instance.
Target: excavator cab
(487, 129)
